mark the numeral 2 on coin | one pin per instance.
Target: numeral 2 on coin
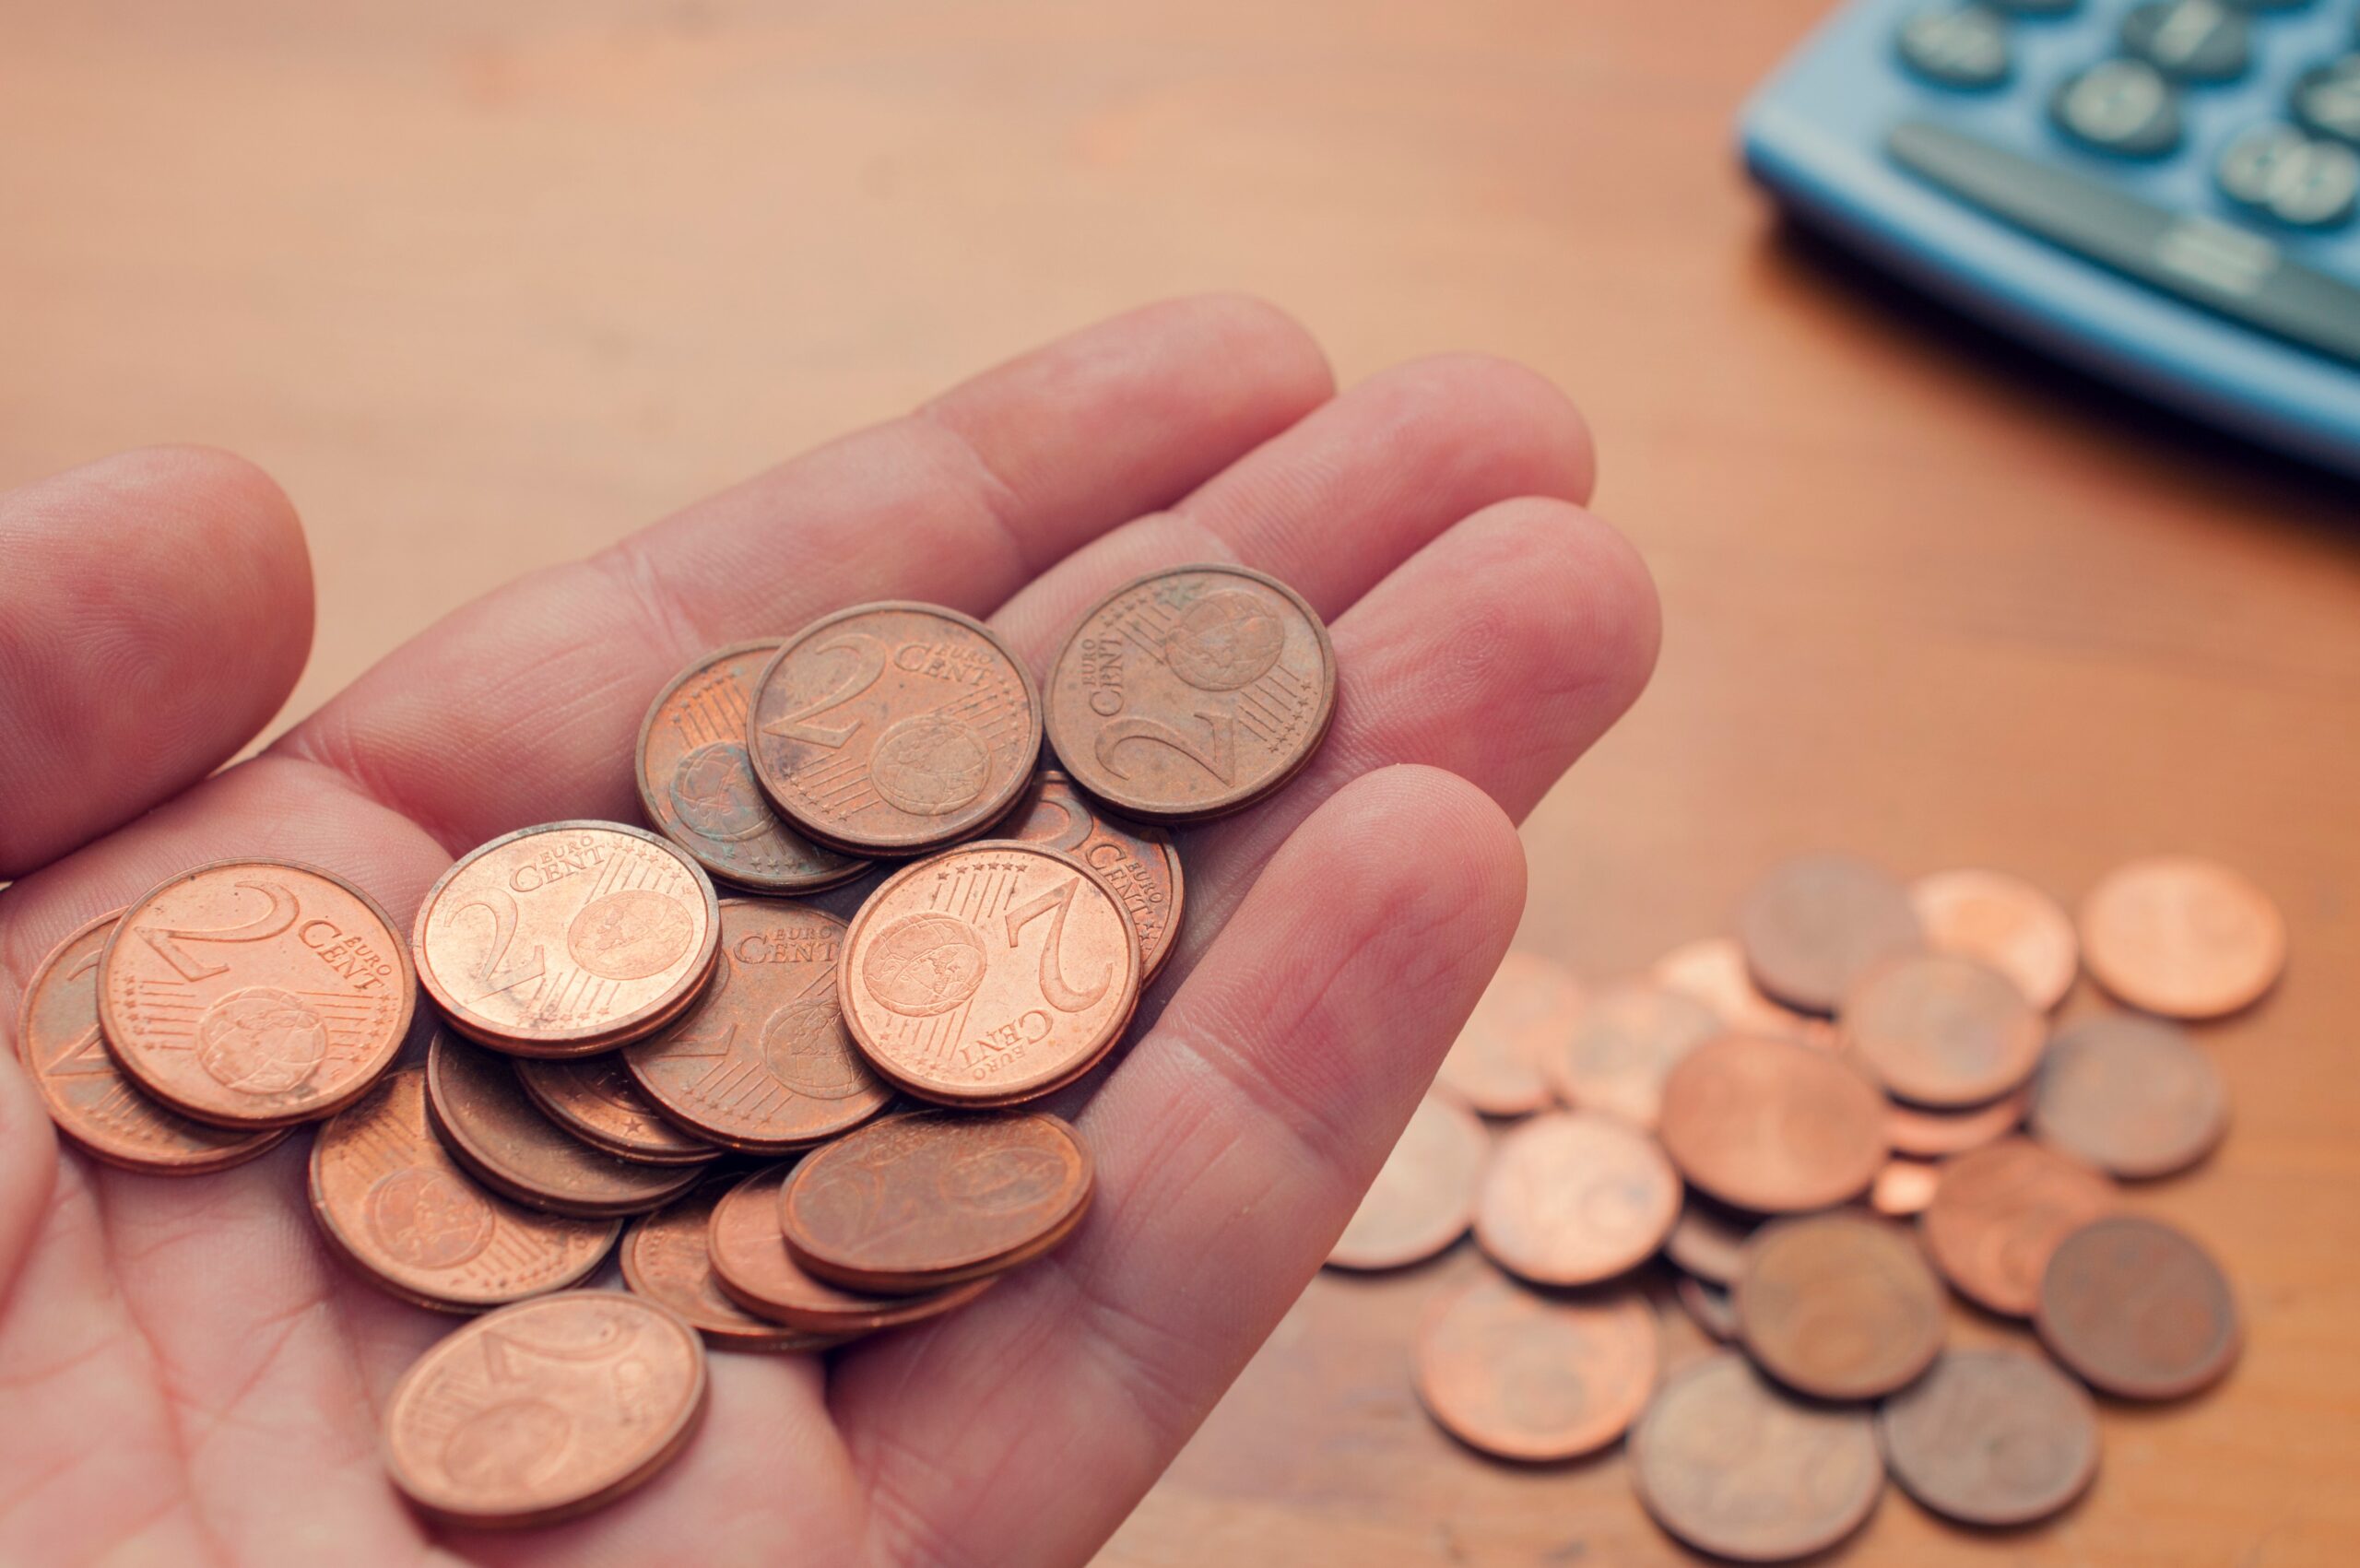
(276, 918)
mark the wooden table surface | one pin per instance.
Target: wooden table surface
(485, 286)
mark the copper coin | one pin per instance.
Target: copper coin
(597, 1101)
(567, 939)
(1941, 1031)
(2182, 937)
(1525, 1015)
(1929, 1135)
(754, 1269)
(1903, 1188)
(1713, 971)
(1135, 861)
(389, 1197)
(255, 993)
(2005, 922)
(665, 1258)
(764, 1062)
(1814, 925)
(893, 728)
(1838, 1306)
(2130, 1095)
(2137, 1309)
(1534, 1377)
(927, 1198)
(1573, 1197)
(1423, 1199)
(1709, 1240)
(1771, 1125)
(1192, 693)
(989, 974)
(1709, 1306)
(1732, 1465)
(546, 1409)
(1999, 1212)
(697, 787)
(1991, 1437)
(96, 1108)
(485, 1119)
(1625, 1041)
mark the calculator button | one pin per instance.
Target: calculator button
(2269, 5)
(2327, 98)
(2118, 106)
(2038, 7)
(2291, 177)
(1960, 46)
(2189, 41)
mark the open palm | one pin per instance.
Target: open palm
(187, 1376)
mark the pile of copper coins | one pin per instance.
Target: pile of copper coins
(793, 1116)
(1755, 1127)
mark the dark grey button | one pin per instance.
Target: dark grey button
(2118, 106)
(2038, 7)
(1960, 46)
(2269, 5)
(2189, 41)
(2327, 98)
(2294, 178)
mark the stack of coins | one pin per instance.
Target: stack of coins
(798, 1106)
(1799, 1136)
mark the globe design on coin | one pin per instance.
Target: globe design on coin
(804, 1047)
(261, 1041)
(931, 765)
(713, 790)
(1006, 1181)
(924, 965)
(630, 935)
(428, 1219)
(1226, 640)
(507, 1447)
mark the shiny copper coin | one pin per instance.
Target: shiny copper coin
(697, 787)
(2005, 922)
(1941, 1031)
(1991, 1437)
(597, 1101)
(1734, 1467)
(1999, 1212)
(1709, 1240)
(1192, 693)
(2182, 937)
(1525, 1015)
(2130, 1095)
(1573, 1197)
(1535, 1377)
(1838, 1306)
(989, 974)
(1713, 971)
(389, 1198)
(665, 1258)
(1929, 1135)
(754, 1268)
(1625, 1041)
(2137, 1309)
(97, 1109)
(928, 1198)
(483, 1116)
(1423, 1199)
(893, 728)
(545, 1410)
(1709, 1306)
(1903, 1188)
(764, 1062)
(1134, 861)
(1812, 926)
(567, 939)
(1771, 1125)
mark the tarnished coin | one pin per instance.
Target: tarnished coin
(1931, 1135)
(389, 1198)
(2137, 1309)
(1709, 1240)
(1573, 1197)
(989, 974)
(1423, 1199)
(544, 1410)
(1525, 1015)
(697, 787)
(1713, 971)
(1771, 1125)
(567, 939)
(764, 1062)
(2182, 937)
(1813, 926)
(1135, 861)
(2130, 1095)
(893, 728)
(1192, 693)
(1941, 1031)
(754, 1268)
(927, 1198)
(1838, 1306)
(665, 1258)
(1534, 1377)
(2005, 922)
(597, 1101)
(1732, 1465)
(1999, 1212)
(96, 1108)
(255, 993)
(1991, 1437)
(1624, 1042)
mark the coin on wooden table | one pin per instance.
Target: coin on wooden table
(1573, 1197)
(697, 787)
(594, 1099)
(1942, 1031)
(1732, 1465)
(752, 1267)
(1991, 1437)
(1708, 1239)
(989, 974)
(567, 939)
(667, 1259)
(2137, 1309)
(1625, 1041)
(1713, 971)
(1838, 1305)
(545, 1410)
(2182, 937)
(389, 1197)
(893, 728)
(1903, 1188)
(1999, 1212)
(1526, 1013)
(1423, 1197)
(2005, 922)
(1813, 926)
(1709, 1306)
(1134, 860)
(2131, 1095)
(1931, 1134)
(1771, 1125)
(96, 1108)
(1535, 1377)
(762, 1063)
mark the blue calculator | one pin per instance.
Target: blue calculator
(2165, 193)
